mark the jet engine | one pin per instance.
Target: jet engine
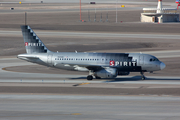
(81, 69)
(106, 73)
(123, 73)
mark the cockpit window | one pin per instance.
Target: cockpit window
(153, 59)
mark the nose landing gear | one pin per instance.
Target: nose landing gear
(142, 76)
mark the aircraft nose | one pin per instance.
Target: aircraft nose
(162, 65)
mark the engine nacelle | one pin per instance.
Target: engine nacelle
(106, 73)
(123, 73)
(81, 69)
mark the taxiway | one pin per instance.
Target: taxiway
(45, 107)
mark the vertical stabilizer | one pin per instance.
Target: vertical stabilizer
(31, 41)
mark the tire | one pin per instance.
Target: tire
(143, 78)
(89, 77)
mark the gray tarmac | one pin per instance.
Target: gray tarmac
(81, 107)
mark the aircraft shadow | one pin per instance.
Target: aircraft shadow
(134, 78)
(138, 78)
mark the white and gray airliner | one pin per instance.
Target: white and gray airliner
(99, 65)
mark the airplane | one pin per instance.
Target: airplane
(177, 1)
(99, 65)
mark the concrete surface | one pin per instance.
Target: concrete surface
(70, 107)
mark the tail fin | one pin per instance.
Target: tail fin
(32, 43)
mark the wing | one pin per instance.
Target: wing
(87, 66)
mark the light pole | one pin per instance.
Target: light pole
(116, 11)
(25, 18)
(80, 10)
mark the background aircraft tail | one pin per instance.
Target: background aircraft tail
(32, 43)
(177, 1)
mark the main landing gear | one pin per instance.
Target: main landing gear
(142, 76)
(89, 77)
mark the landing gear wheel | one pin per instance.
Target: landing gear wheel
(89, 77)
(98, 77)
(142, 76)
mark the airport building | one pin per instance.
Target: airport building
(159, 14)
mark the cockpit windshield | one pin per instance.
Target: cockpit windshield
(153, 59)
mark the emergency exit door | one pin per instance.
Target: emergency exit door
(49, 59)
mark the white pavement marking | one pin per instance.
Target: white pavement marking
(80, 97)
(151, 80)
(92, 34)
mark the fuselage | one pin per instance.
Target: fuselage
(125, 62)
